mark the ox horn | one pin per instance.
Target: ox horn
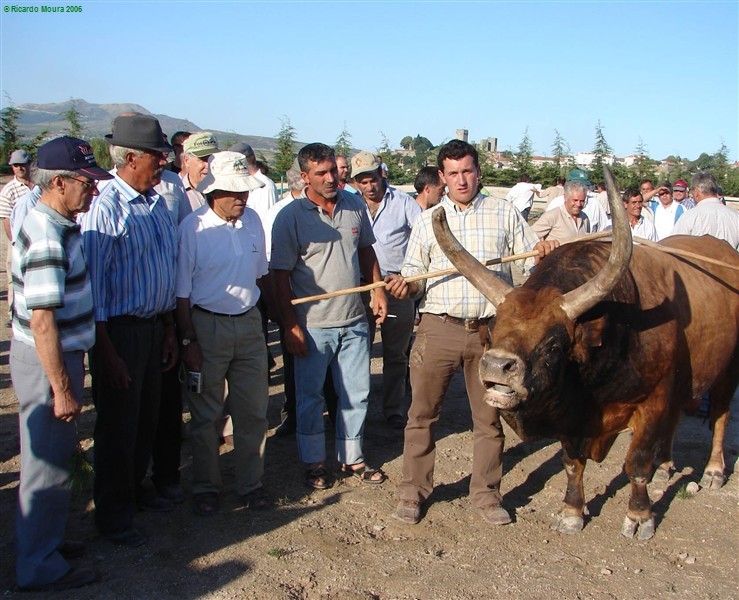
(490, 286)
(585, 297)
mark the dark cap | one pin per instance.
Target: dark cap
(242, 148)
(141, 132)
(70, 154)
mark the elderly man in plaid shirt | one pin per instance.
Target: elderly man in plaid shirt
(452, 312)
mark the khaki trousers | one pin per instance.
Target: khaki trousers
(439, 349)
(233, 351)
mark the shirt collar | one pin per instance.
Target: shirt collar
(475, 203)
(55, 216)
(212, 219)
(129, 194)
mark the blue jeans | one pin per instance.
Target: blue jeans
(345, 350)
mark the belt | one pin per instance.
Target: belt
(468, 324)
(217, 314)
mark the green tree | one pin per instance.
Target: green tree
(343, 146)
(643, 165)
(721, 164)
(421, 146)
(74, 118)
(601, 152)
(522, 160)
(102, 153)
(9, 129)
(394, 170)
(406, 142)
(11, 139)
(285, 155)
(560, 151)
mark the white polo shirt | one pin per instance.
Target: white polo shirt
(218, 264)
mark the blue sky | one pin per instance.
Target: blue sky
(665, 72)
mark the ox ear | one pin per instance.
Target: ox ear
(589, 334)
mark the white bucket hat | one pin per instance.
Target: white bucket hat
(227, 171)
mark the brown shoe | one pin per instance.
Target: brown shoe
(408, 511)
(495, 514)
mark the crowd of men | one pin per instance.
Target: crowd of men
(165, 274)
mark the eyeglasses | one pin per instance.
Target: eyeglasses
(664, 193)
(88, 185)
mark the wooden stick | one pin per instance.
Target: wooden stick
(684, 253)
(442, 273)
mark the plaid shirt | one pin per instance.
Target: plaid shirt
(489, 228)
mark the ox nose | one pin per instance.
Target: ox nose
(502, 366)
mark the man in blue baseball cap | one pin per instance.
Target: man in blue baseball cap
(53, 327)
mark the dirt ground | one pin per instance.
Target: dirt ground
(343, 543)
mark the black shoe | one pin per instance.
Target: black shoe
(76, 577)
(71, 549)
(286, 428)
(155, 504)
(130, 537)
(174, 493)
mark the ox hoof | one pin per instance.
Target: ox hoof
(713, 480)
(643, 529)
(567, 524)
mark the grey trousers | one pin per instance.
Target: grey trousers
(47, 445)
(233, 351)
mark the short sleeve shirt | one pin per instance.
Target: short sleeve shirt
(321, 253)
(49, 271)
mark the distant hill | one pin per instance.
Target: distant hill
(97, 119)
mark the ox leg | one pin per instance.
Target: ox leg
(721, 393)
(664, 467)
(569, 519)
(639, 519)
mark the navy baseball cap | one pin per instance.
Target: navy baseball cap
(70, 154)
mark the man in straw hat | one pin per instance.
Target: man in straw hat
(220, 264)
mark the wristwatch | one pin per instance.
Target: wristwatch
(187, 341)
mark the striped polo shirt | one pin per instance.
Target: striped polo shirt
(130, 245)
(49, 271)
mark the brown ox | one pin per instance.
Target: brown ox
(603, 337)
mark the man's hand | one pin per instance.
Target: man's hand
(192, 356)
(116, 370)
(295, 341)
(66, 407)
(545, 247)
(398, 287)
(170, 350)
(378, 304)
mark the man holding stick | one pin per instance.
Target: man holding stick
(321, 242)
(452, 312)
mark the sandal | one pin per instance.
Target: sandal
(365, 474)
(206, 504)
(258, 499)
(317, 478)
